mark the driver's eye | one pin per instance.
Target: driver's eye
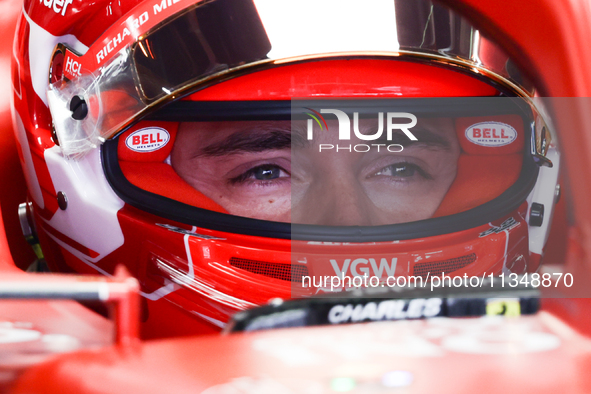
(264, 172)
(267, 172)
(401, 170)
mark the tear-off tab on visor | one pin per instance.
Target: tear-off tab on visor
(199, 41)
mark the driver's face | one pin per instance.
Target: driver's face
(264, 171)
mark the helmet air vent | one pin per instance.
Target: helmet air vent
(435, 268)
(287, 272)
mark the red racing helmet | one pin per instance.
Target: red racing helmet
(230, 152)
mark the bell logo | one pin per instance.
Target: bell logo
(491, 134)
(148, 139)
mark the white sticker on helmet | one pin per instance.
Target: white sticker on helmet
(491, 134)
(148, 139)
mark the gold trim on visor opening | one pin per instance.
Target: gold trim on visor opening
(225, 75)
(403, 55)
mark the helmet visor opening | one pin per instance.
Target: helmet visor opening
(452, 160)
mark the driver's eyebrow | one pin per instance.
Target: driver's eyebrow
(425, 139)
(255, 139)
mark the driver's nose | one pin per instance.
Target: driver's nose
(338, 201)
